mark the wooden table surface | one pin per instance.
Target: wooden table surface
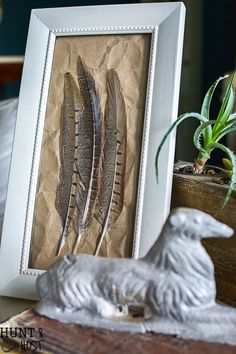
(61, 338)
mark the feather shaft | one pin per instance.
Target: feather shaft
(66, 191)
(111, 195)
(89, 150)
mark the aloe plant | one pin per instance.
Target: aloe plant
(208, 134)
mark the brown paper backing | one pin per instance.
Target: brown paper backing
(129, 56)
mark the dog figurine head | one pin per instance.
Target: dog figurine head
(195, 224)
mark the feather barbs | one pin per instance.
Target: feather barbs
(92, 156)
(111, 194)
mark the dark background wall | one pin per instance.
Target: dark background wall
(209, 52)
(16, 15)
(219, 49)
(15, 22)
(219, 45)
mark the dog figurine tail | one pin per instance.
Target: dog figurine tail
(216, 314)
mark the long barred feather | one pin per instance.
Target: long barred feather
(111, 195)
(72, 109)
(88, 150)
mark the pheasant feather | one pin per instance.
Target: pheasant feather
(66, 191)
(111, 195)
(88, 150)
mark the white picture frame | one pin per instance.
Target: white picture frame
(165, 23)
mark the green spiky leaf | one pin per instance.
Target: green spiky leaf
(198, 133)
(225, 132)
(232, 117)
(205, 110)
(179, 120)
(225, 110)
(228, 128)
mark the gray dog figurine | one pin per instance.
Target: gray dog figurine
(171, 290)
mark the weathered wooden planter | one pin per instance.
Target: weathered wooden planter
(202, 193)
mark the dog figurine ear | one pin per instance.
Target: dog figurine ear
(177, 219)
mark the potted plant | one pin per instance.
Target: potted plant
(208, 188)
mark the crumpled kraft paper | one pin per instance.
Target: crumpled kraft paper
(129, 56)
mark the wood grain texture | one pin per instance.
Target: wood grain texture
(62, 338)
(201, 193)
